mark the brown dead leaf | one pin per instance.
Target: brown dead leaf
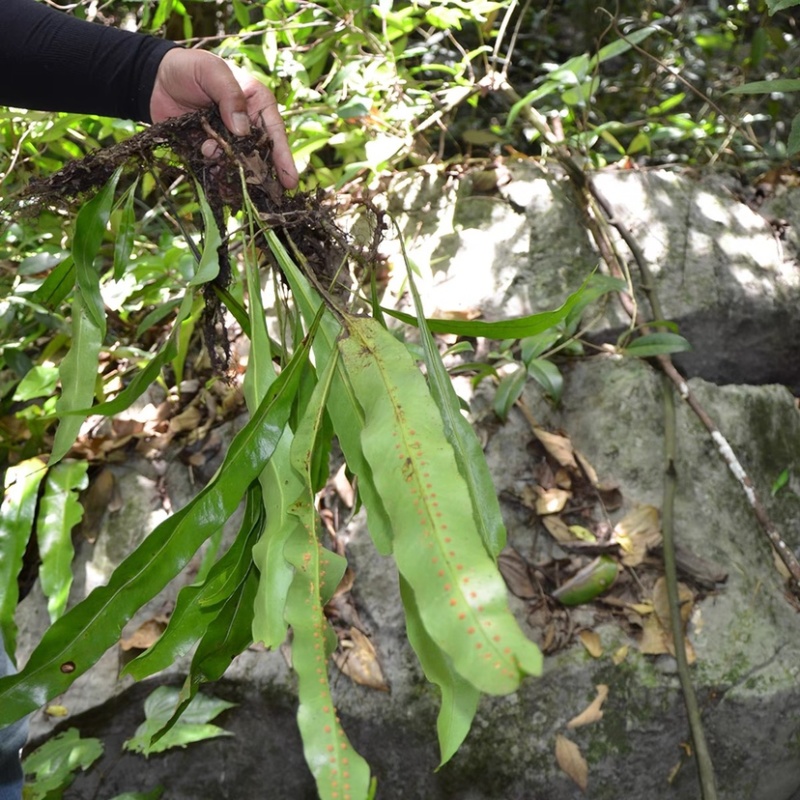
(356, 658)
(593, 712)
(637, 533)
(188, 420)
(516, 574)
(571, 761)
(591, 641)
(146, 634)
(559, 447)
(563, 479)
(657, 631)
(558, 529)
(588, 470)
(343, 487)
(550, 501)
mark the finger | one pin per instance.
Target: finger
(219, 83)
(210, 149)
(262, 102)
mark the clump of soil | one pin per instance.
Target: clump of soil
(305, 224)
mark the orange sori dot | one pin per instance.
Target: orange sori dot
(465, 580)
(447, 587)
(480, 609)
(478, 646)
(448, 539)
(327, 729)
(330, 748)
(332, 760)
(462, 616)
(507, 650)
(343, 745)
(412, 432)
(345, 775)
(473, 594)
(440, 573)
(432, 494)
(459, 566)
(435, 560)
(429, 486)
(453, 602)
(452, 553)
(470, 630)
(426, 474)
(497, 638)
(322, 680)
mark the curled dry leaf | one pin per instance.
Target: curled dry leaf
(146, 634)
(571, 761)
(343, 487)
(637, 533)
(620, 654)
(593, 712)
(591, 641)
(550, 501)
(559, 447)
(357, 659)
(516, 574)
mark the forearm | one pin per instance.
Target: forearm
(50, 61)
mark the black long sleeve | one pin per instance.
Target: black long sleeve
(50, 61)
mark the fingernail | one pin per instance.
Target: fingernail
(241, 123)
(210, 149)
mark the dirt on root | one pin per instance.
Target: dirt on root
(304, 222)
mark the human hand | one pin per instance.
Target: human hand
(188, 80)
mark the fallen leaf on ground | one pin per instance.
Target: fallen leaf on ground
(620, 654)
(357, 659)
(516, 574)
(559, 447)
(593, 712)
(571, 761)
(657, 631)
(591, 641)
(636, 533)
(343, 487)
(558, 529)
(550, 501)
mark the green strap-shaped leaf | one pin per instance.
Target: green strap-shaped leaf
(198, 604)
(461, 435)
(17, 513)
(59, 513)
(345, 411)
(340, 772)
(460, 593)
(90, 229)
(78, 372)
(123, 244)
(279, 483)
(77, 640)
(145, 377)
(208, 268)
(459, 697)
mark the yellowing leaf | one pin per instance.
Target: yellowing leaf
(584, 534)
(571, 762)
(593, 712)
(620, 654)
(591, 641)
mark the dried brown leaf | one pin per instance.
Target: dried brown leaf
(588, 470)
(145, 635)
(187, 420)
(593, 712)
(571, 761)
(559, 447)
(516, 574)
(591, 641)
(637, 533)
(620, 654)
(550, 501)
(558, 529)
(357, 659)
(343, 487)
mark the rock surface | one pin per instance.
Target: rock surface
(519, 250)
